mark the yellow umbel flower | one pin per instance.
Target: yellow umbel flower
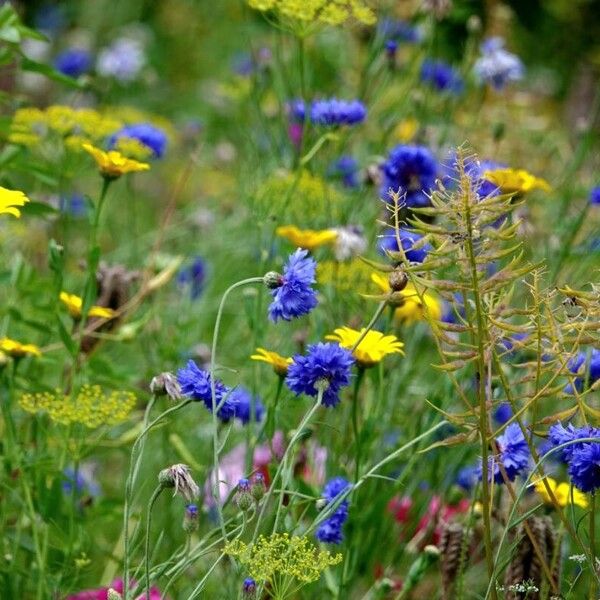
(113, 164)
(319, 11)
(306, 238)
(516, 181)
(17, 349)
(9, 200)
(372, 348)
(281, 557)
(74, 304)
(90, 406)
(562, 493)
(414, 307)
(279, 363)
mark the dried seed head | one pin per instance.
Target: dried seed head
(166, 384)
(179, 477)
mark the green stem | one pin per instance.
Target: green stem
(593, 586)
(357, 382)
(153, 499)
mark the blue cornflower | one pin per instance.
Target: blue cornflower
(196, 384)
(412, 170)
(249, 587)
(194, 276)
(324, 362)
(332, 112)
(330, 530)
(595, 195)
(442, 76)
(296, 110)
(475, 169)
(294, 295)
(74, 204)
(400, 31)
(496, 66)
(558, 435)
(467, 477)
(503, 413)
(388, 242)
(584, 466)
(346, 168)
(82, 480)
(513, 453)
(73, 62)
(245, 407)
(588, 370)
(390, 48)
(149, 135)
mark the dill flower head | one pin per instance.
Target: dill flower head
(441, 76)
(306, 238)
(372, 348)
(17, 349)
(10, 200)
(513, 453)
(90, 406)
(412, 171)
(151, 137)
(294, 295)
(279, 363)
(196, 384)
(517, 181)
(496, 66)
(333, 112)
(414, 248)
(113, 164)
(324, 364)
(74, 305)
(562, 493)
(280, 556)
(330, 530)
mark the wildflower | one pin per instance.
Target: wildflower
(124, 60)
(503, 413)
(496, 66)
(74, 305)
(190, 518)
(349, 242)
(372, 348)
(406, 130)
(414, 248)
(333, 112)
(90, 406)
(307, 238)
(73, 62)
(330, 530)
(116, 587)
(513, 453)
(345, 276)
(246, 407)
(81, 481)
(391, 46)
(296, 110)
(179, 477)
(282, 556)
(74, 205)
(113, 164)
(249, 588)
(196, 384)
(561, 491)
(258, 487)
(153, 138)
(243, 497)
(293, 295)
(399, 31)
(346, 168)
(166, 384)
(441, 76)
(595, 195)
(410, 304)
(194, 276)
(17, 349)
(467, 477)
(279, 363)
(587, 369)
(516, 181)
(584, 466)
(326, 365)
(559, 435)
(10, 200)
(411, 170)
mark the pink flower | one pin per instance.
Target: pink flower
(117, 585)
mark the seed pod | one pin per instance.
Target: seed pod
(398, 280)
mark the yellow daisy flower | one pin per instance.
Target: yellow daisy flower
(372, 348)
(113, 164)
(413, 307)
(74, 304)
(9, 200)
(17, 349)
(562, 493)
(279, 363)
(516, 181)
(306, 238)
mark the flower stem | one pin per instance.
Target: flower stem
(357, 459)
(153, 499)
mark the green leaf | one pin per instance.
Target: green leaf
(66, 338)
(38, 209)
(37, 67)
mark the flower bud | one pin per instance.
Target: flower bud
(166, 384)
(258, 487)
(244, 498)
(397, 280)
(273, 280)
(249, 588)
(320, 504)
(190, 518)
(179, 477)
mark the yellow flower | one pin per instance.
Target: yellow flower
(516, 181)
(346, 276)
(113, 164)
(562, 493)
(74, 304)
(414, 307)
(406, 130)
(306, 238)
(321, 11)
(9, 200)
(279, 363)
(18, 350)
(372, 348)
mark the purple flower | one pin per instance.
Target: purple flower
(73, 62)
(296, 110)
(400, 31)
(333, 112)
(388, 242)
(324, 362)
(294, 296)
(194, 276)
(503, 413)
(150, 136)
(595, 195)
(412, 171)
(584, 467)
(346, 168)
(330, 530)
(249, 587)
(587, 367)
(246, 407)
(496, 66)
(513, 453)
(558, 435)
(441, 76)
